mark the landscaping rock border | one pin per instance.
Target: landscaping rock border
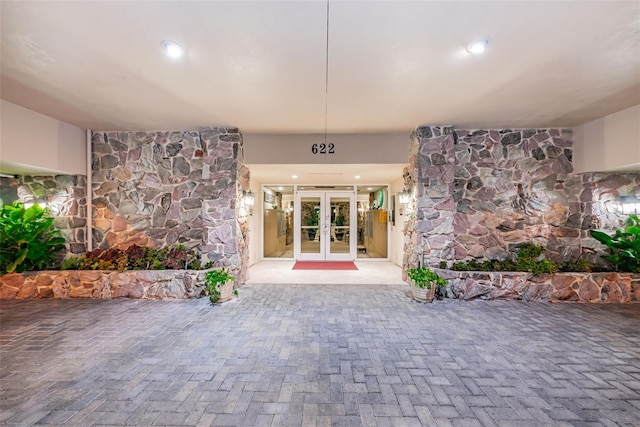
(166, 284)
(560, 287)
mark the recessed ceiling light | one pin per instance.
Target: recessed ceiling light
(357, 177)
(172, 49)
(294, 176)
(478, 46)
(369, 188)
(279, 188)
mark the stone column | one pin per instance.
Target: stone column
(223, 213)
(162, 189)
(429, 227)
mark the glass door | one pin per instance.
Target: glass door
(324, 226)
(341, 241)
(308, 234)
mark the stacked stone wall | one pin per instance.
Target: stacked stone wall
(559, 287)
(515, 186)
(508, 187)
(65, 197)
(103, 284)
(166, 188)
(430, 214)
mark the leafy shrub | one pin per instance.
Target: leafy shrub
(28, 240)
(580, 265)
(623, 245)
(213, 280)
(424, 277)
(135, 258)
(530, 259)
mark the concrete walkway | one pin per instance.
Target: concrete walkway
(368, 272)
(343, 355)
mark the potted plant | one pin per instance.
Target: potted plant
(311, 219)
(219, 285)
(424, 281)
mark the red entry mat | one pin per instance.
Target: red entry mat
(324, 265)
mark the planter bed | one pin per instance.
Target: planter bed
(559, 287)
(178, 284)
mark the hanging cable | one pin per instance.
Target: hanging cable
(326, 81)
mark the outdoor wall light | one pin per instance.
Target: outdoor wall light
(404, 197)
(629, 205)
(248, 200)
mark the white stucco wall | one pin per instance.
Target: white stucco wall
(255, 225)
(396, 241)
(33, 142)
(611, 143)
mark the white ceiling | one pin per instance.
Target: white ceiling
(260, 65)
(369, 174)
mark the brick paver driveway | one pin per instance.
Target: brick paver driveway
(319, 355)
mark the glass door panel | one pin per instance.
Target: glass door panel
(340, 245)
(310, 237)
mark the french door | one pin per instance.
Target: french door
(325, 226)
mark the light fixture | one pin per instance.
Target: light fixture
(357, 177)
(369, 188)
(280, 188)
(477, 47)
(294, 176)
(172, 49)
(248, 200)
(629, 205)
(404, 197)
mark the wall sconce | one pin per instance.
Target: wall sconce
(629, 205)
(404, 197)
(248, 200)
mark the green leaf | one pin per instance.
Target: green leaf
(601, 237)
(30, 237)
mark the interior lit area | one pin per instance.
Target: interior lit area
(326, 221)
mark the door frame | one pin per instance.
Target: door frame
(324, 225)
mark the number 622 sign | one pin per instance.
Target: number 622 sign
(323, 148)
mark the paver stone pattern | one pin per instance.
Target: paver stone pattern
(319, 355)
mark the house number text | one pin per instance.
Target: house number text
(323, 148)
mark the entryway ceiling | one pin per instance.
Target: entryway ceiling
(260, 65)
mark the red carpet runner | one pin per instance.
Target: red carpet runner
(324, 265)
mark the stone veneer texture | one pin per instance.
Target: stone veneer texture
(167, 188)
(515, 186)
(430, 214)
(65, 197)
(559, 287)
(481, 193)
(103, 284)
